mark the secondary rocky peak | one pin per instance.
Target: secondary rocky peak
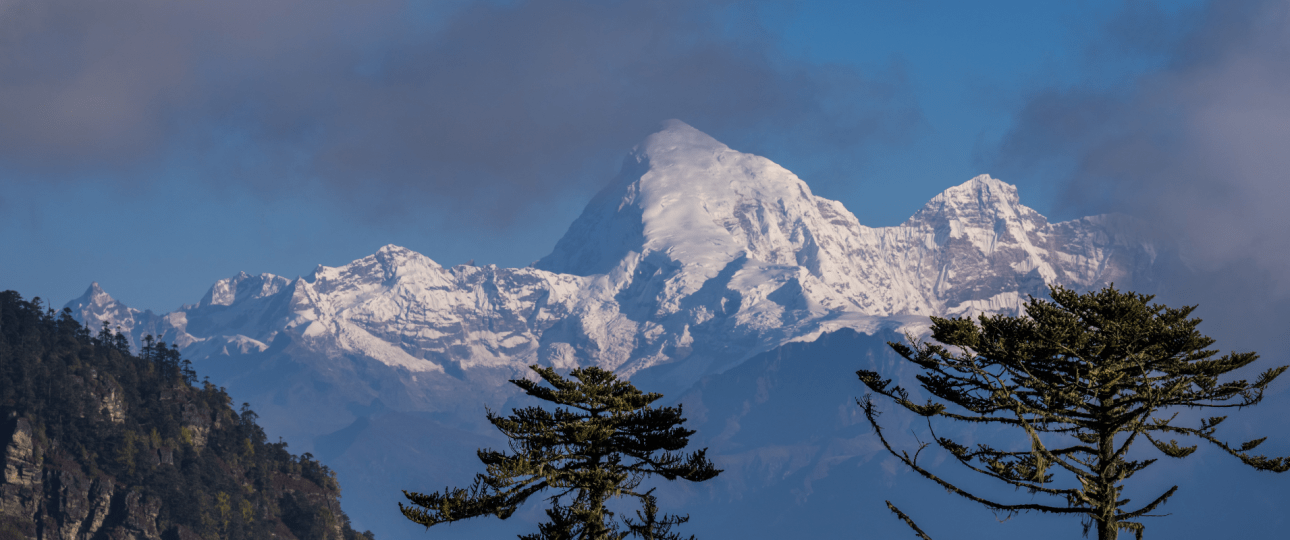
(96, 307)
(99, 302)
(94, 295)
(394, 257)
(982, 202)
(242, 287)
(982, 192)
(391, 250)
(390, 263)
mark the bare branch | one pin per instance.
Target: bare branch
(908, 521)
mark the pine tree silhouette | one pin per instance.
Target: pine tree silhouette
(602, 441)
(1083, 377)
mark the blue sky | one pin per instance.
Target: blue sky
(155, 147)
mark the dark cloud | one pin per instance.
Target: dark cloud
(483, 106)
(1198, 147)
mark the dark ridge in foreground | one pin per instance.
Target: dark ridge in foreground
(98, 443)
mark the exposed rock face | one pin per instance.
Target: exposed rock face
(113, 405)
(138, 519)
(79, 504)
(97, 443)
(46, 496)
(48, 499)
(23, 487)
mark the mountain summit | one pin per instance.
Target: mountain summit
(692, 198)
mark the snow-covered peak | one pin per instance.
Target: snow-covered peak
(97, 308)
(982, 202)
(242, 287)
(395, 259)
(677, 137)
(389, 264)
(94, 296)
(393, 251)
(692, 199)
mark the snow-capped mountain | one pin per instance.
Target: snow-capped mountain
(694, 259)
(692, 241)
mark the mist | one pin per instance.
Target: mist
(1196, 148)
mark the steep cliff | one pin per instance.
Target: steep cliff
(99, 443)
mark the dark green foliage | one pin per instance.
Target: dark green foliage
(210, 466)
(602, 442)
(1081, 378)
(651, 526)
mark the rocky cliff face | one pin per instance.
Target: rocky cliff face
(46, 494)
(97, 443)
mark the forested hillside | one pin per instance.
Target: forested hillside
(97, 442)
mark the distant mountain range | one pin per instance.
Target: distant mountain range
(695, 272)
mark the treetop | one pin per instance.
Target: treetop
(592, 389)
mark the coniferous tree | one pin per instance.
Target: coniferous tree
(601, 443)
(1083, 377)
(649, 525)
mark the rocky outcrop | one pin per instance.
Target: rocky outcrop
(23, 486)
(46, 496)
(112, 404)
(97, 443)
(138, 518)
(79, 505)
(196, 421)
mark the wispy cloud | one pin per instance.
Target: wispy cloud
(485, 107)
(1198, 147)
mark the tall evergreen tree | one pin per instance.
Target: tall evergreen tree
(602, 441)
(1083, 377)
